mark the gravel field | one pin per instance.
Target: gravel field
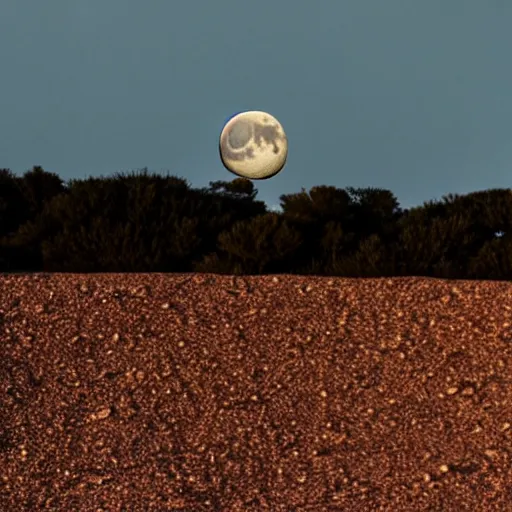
(197, 392)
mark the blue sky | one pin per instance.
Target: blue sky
(410, 95)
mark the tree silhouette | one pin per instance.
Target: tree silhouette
(21, 200)
(241, 188)
(434, 240)
(13, 205)
(148, 222)
(134, 223)
(39, 187)
(372, 259)
(494, 260)
(260, 241)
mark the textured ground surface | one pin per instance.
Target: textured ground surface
(208, 393)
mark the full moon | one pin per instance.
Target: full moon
(253, 145)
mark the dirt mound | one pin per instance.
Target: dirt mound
(199, 393)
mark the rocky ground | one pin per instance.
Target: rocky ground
(196, 393)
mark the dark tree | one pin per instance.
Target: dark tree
(13, 204)
(135, 222)
(433, 240)
(239, 187)
(494, 260)
(259, 244)
(372, 259)
(374, 211)
(148, 222)
(39, 187)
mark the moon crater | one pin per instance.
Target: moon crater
(239, 134)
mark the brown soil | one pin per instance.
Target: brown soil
(194, 393)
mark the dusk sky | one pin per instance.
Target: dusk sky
(410, 95)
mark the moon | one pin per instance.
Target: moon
(253, 145)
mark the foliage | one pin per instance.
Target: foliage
(259, 242)
(142, 222)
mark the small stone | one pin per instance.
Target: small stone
(102, 413)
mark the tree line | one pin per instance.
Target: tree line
(144, 222)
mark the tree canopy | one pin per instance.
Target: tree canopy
(146, 222)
